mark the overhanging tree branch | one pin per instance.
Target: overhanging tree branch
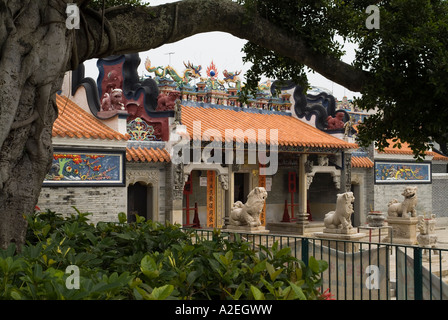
(138, 29)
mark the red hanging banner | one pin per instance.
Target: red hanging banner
(211, 198)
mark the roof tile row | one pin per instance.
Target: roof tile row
(73, 122)
(405, 149)
(246, 127)
(361, 162)
(147, 155)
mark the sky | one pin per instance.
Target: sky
(225, 52)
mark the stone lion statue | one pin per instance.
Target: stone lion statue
(341, 217)
(248, 214)
(401, 209)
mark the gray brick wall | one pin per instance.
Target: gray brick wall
(364, 194)
(103, 202)
(439, 167)
(162, 202)
(369, 189)
(440, 195)
(385, 193)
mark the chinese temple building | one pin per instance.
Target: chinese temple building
(182, 147)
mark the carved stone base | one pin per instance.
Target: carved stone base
(292, 228)
(340, 231)
(404, 230)
(427, 240)
(333, 238)
(246, 229)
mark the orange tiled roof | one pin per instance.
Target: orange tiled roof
(361, 162)
(291, 131)
(438, 156)
(74, 122)
(406, 149)
(147, 155)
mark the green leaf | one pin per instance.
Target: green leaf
(298, 291)
(259, 267)
(239, 291)
(283, 252)
(258, 295)
(270, 268)
(272, 272)
(125, 236)
(313, 264)
(192, 276)
(224, 260)
(161, 293)
(323, 265)
(141, 293)
(288, 293)
(139, 219)
(46, 229)
(299, 273)
(229, 256)
(215, 265)
(268, 286)
(122, 218)
(93, 239)
(149, 267)
(9, 265)
(317, 266)
(15, 294)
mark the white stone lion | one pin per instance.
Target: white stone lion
(401, 209)
(341, 217)
(248, 214)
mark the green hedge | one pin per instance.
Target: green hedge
(147, 260)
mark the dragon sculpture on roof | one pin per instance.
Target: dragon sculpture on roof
(232, 77)
(191, 72)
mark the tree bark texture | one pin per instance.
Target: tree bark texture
(36, 49)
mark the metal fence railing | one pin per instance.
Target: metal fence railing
(365, 270)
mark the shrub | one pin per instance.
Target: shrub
(148, 260)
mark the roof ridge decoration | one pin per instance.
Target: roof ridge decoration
(139, 130)
(211, 90)
(128, 80)
(212, 71)
(233, 108)
(191, 72)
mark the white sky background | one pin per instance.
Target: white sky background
(221, 48)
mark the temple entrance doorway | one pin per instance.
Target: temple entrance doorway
(241, 187)
(140, 201)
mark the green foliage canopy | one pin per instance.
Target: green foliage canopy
(406, 60)
(150, 261)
